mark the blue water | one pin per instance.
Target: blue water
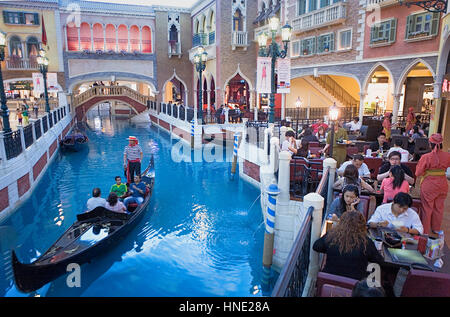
(202, 234)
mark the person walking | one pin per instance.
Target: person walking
(431, 169)
(36, 109)
(132, 157)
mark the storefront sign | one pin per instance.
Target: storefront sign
(20, 86)
(264, 75)
(284, 76)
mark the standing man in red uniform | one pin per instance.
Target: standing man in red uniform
(433, 184)
(132, 158)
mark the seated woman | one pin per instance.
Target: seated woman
(394, 184)
(114, 204)
(321, 134)
(348, 247)
(349, 201)
(290, 143)
(351, 176)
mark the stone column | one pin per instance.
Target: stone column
(284, 226)
(33, 122)
(330, 163)
(396, 107)
(22, 137)
(362, 97)
(316, 201)
(2, 148)
(435, 108)
(283, 106)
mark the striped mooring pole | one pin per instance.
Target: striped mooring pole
(272, 193)
(235, 151)
(192, 133)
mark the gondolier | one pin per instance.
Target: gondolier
(132, 157)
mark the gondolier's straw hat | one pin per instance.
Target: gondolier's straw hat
(132, 138)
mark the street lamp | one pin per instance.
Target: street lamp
(42, 61)
(333, 116)
(200, 64)
(377, 100)
(273, 51)
(5, 110)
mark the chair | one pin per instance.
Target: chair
(352, 150)
(420, 283)
(314, 149)
(401, 137)
(330, 285)
(421, 146)
(374, 164)
(365, 200)
(412, 166)
(314, 144)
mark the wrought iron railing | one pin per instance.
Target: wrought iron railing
(50, 120)
(292, 279)
(37, 128)
(28, 135)
(13, 144)
(45, 123)
(305, 176)
(255, 133)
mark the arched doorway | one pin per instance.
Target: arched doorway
(237, 92)
(174, 91)
(380, 89)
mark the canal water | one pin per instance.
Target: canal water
(202, 234)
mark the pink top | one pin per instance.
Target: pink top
(119, 207)
(389, 191)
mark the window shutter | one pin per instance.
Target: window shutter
(36, 19)
(409, 25)
(393, 31)
(5, 17)
(435, 23)
(331, 42)
(373, 31)
(313, 46)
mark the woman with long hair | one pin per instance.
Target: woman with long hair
(348, 201)
(114, 204)
(394, 184)
(348, 247)
(351, 177)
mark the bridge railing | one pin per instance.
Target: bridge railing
(101, 91)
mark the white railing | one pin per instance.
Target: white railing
(239, 38)
(21, 63)
(329, 15)
(381, 3)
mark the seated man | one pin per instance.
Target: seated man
(358, 161)
(380, 145)
(398, 147)
(137, 190)
(354, 125)
(95, 201)
(397, 215)
(119, 188)
(394, 158)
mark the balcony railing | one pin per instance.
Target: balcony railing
(200, 39)
(21, 63)
(212, 37)
(239, 39)
(329, 15)
(381, 3)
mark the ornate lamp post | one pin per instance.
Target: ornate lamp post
(333, 116)
(377, 101)
(273, 51)
(43, 68)
(5, 110)
(200, 64)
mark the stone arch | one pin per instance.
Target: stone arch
(408, 69)
(107, 77)
(175, 76)
(372, 71)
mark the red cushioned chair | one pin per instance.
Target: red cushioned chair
(352, 150)
(314, 149)
(365, 200)
(314, 144)
(374, 164)
(336, 285)
(297, 169)
(420, 283)
(412, 166)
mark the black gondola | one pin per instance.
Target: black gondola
(92, 233)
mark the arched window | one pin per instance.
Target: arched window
(85, 36)
(32, 46)
(237, 21)
(146, 40)
(173, 34)
(135, 38)
(97, 29)
(122, 33)
(212, 92)
(72, 38)
(15, 47)
(110, 36)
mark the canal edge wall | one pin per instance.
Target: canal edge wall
(20, 176)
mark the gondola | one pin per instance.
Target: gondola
(74, 141)
(91, 235)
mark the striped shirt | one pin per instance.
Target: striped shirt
(133, 152)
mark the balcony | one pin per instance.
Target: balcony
(381, 3)
(333, 14)
(21, 63)
(174, 49)
(239, 39)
